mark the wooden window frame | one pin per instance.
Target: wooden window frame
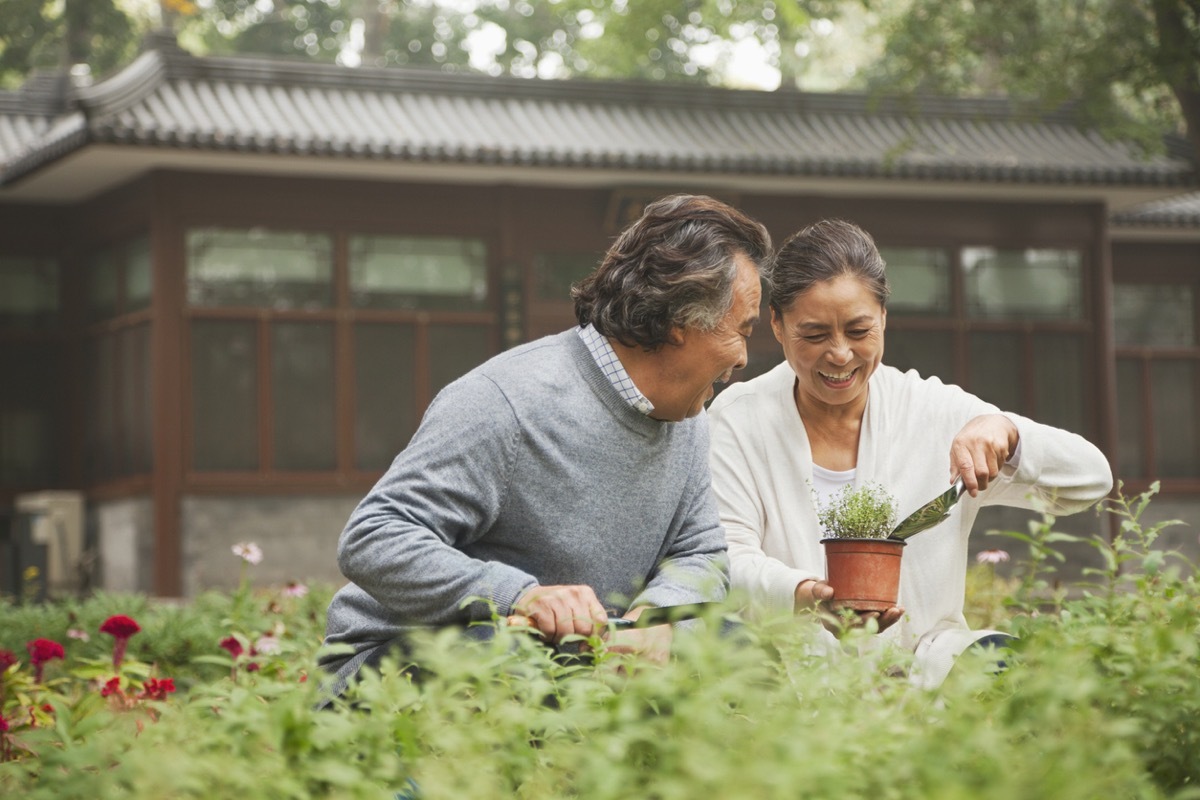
(1144, 357)
(959, 325)
(343, 317)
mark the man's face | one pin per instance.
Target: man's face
(706, 357)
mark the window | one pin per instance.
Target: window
(922, 286)
(920, 280)
(551, 308)
(385, 412)
(28, 293)
(1022, 284)
(30, 362)
(418, 273)
(119, 280)
(302, 396)
(259, 268)
(118, 418)
(1158, 381)
(1009, 325)
(28, 411)
(270, 340)
(1153, 316)
(555, 274)
(224, 395)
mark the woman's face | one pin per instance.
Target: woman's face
(832, 336)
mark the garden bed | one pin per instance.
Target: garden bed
(1099, 699)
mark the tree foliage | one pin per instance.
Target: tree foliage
(1132, 67)
(45, 34)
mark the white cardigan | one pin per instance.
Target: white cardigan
(762, 477)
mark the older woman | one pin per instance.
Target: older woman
(833, 414)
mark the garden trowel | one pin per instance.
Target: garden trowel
(929, 514)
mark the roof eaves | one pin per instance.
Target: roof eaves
(66, 135)
(1174, 212)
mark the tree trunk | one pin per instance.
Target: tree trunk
(1178, 60)
(375, 29)
(77, 14)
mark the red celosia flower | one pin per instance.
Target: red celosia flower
(120, 627)
(111, 687)
(158, 689)
(232, 645)
(3, 724)
(252, 666)
(41, 651)
(7, 659)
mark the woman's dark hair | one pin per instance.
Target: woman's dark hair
(821, 252)
(672, 268)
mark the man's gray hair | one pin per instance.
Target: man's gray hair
(675, 267)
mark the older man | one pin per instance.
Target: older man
(567, 479)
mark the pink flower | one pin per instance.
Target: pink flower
(232, 646)
(7, 659)
(991, 556)
(120, 627)
(75, 633)
(295, 589)
(248, 552)
(267, 644)
(157, 689)
(41, 651)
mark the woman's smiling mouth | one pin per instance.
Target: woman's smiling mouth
(838, 380)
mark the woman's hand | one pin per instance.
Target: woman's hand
(819, 596)
(980, 449)
(652, 644)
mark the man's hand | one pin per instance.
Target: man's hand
(560, 611)
(980, 449)
(819, 596)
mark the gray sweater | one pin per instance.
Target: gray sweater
(529, 469)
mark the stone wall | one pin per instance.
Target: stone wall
(297, 534)
(122, 534)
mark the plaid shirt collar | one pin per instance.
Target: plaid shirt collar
(606, 359)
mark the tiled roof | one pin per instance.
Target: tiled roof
(1174, 212)
(170, 99)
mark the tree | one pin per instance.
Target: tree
(44, 34)
(1130, 67)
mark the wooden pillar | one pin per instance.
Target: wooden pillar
(1106, 349)
(166, 359)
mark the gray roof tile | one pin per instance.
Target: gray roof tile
(1175, 212)
(168, 98)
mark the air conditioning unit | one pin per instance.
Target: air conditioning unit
(56, 522)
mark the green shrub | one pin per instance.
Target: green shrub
(1099, 700)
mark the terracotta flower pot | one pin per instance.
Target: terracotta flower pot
(864, 573)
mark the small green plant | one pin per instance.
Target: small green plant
(867, 512)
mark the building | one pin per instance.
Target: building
(230, 286)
